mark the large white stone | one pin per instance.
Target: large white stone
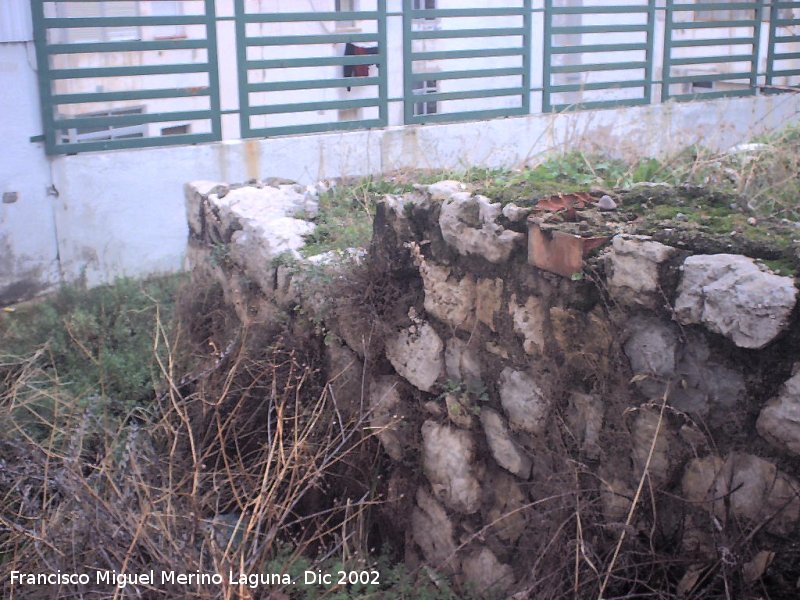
(651, 346)
(529, 322)
(447, 298)
(462, 363)
(443, 190)
(523, 401)
(388, 411)
(447, 456)
(505, 450)
(433, 533)
(416, 354)
(488, 576)
(634, 262)
(779, 421)
(468, 224)
(731, 295)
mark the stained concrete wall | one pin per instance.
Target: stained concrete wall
(28, 251)
(121, 213)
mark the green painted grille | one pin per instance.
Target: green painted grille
(149, 79)
(279, 95)
(582, 70)
(784, 43)
(441, 47)
(701, 58)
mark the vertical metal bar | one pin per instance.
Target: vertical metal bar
(756, 46)
(241, 60)
(527, 43)
(774, 15)
(547, 56)
(408, 65)
(666, 67)
(43, 69)
(383, 71)
(649, 57)
(213, 70)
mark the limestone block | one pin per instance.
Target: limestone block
(515, 213)
(488, 300)
(196, 194)
(487, 575)
(462, 363)
(505, 450)
(651, 346)
(585, 419)
(449, 299)
(447, 456)
(634, 262)
(523, 401)
(507, 506)
(468, 224)
(433, 532)
(443, 190)
(744, 486)
(732, 296)
(529, 322)
(779, 421)
(666, 451)
(388, 411)
(416, 354)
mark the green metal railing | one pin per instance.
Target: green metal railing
(726, 55)
(784, 31)
(511, 47)
(125, 86)
(598, 67)
(71, 93)
(262, 81)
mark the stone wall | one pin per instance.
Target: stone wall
(532, 418)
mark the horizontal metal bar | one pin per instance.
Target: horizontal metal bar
(615, 66)
(708, 77)
(317, 61)
(599, 104)
(597, 10)
(787, 39)
(469, 94)
(308, 106)
(705, 60)
(588, 48)
(443, 34)
(309, 16)
(787, 56)
(140, 119)
(439, 13)
(709, 6)
(165, 140)
(785, 72)
(583, 29)
(442, 75)
(712, 95)
(73, 22)
(313, 128)
(293, 40)
(472, 53)
(130, 95)
(598, 85)
(131, 46)
(312, 84)
(712, 42)
(715, 24)
(468, 115)
(127, 71)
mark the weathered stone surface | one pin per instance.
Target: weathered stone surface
(460, 411)
(433, 533)
(447, 455)
(585, 419)
(523, 401)
(447, 298)
(529, 322)
(443, 190)
(515, 213)
(416, 355)
(732, 296)
(743, 486)
(487, 575)
(388, 411)
(779, 421)
(508, 501)
(468, 224)
(345, 370)
(651, 346)
(666, 451)
(488, 300)
(615, 497)
(196, 194)
(634, 262)
(462, 363)
(260, 205)
(505, 450)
